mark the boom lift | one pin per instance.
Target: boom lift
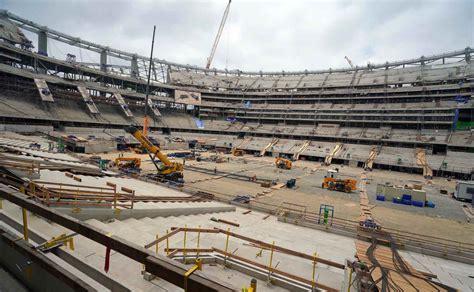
(169, 170)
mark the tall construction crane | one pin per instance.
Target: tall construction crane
(349, 61)
(218, 36)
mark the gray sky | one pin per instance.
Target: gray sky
(260, 35)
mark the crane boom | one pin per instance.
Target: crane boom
(148, 145)
(170, 170)
(349, 61)
(218, 36)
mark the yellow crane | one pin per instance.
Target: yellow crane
(168, 170)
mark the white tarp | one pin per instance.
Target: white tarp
(44, 91)
(187, 97)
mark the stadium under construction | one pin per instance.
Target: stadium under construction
(140, 174)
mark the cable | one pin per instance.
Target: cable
(57, 48)
(80, 53)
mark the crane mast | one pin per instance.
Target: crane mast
(349, 61)
(218, 36)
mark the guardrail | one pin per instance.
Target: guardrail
(167, 269)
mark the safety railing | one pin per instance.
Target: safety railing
(187, 254)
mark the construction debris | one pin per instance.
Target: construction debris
(225, 221)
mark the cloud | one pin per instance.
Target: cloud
(260, 35)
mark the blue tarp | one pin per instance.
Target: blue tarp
(456, 117)
(199, 123)
(462, 99)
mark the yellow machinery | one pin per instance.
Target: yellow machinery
(237, 152)
(283, 163)
(333, 183)
(140, 150)
(128, 163)
(169, 170)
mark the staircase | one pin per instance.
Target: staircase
(372, 155)
(140, 232)
(268, 146)
(333, 153)
(300, 151)
(420, 155)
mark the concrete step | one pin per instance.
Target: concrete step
(36, 223)
(98, 224)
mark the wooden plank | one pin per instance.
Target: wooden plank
(411, 280)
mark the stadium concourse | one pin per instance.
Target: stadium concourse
(85, 206)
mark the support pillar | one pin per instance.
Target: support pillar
(134, 67)
(103, 61)
(42, 43)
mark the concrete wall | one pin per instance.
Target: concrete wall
(100, 146)
(31, 274)
(25, 128)
(391, 192)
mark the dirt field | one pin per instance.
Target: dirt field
(446, 220)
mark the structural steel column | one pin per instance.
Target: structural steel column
(42, 43)
(103, 60)
(134, 67)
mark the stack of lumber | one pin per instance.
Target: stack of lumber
(399, 274)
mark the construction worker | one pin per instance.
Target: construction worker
(215, 169)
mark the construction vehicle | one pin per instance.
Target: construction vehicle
(167, 170)
(140, 150)
(237, 152)
(283, 163)
(333, 183)
(128, 163)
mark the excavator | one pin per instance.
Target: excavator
(283, 163)
(167, 170)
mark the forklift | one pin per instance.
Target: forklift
(333, 183)
(283, 163)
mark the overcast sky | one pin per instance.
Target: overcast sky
(260, 35)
